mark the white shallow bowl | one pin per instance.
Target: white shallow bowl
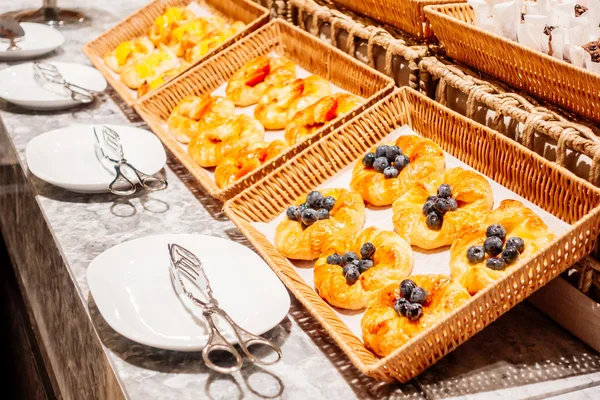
(18, 86)
(130, 285)
(66, 157)
(39, 39)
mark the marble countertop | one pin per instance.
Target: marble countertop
(522, 355)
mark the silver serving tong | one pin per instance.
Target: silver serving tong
(185, 264)
(109, 152)
(45, 73)
(11, 30)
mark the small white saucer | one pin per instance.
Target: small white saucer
(18, 86)
(66, 157)
(131, 286)
(39, 39)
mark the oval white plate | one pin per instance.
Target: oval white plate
(39, 39)
(66, 158)
(131, 286)
(18, 86)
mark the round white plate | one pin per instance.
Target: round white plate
(18, 86)
(39, 39)
(66, 157)
(131, 286)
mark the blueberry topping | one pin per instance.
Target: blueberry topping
(434, 221)
(497, 264)
(515, 243)
(442, 205)
(328, 203)
(475, 254)
(406, 288)
(401, 306)
(380, 164)
(291, 213)
(368, 160)
(381, 151)
(390, 172)
(351, 273)
(414, 312)
(299, 210)
(365, 264)
(509, 255)
(453, 204)
(335, 259)
(309, 216)
(313, 199)
(493, 246)
(322, 214)
(419, 295)
(392, 152)
(349, 257)
(496, 230)
(429, 207)
(367, 250)
(432, 198)
(401, 161)
(444, 191)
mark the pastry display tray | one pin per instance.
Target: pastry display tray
(543, 76)
(310, 55)
(137, 24)
(568, 204)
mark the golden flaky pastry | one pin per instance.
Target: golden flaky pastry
(471, 191)
(392, 261)
(519, 221)
(297, 242)
(127, 52)
(384, 330)
(149, 67)
(425, 157)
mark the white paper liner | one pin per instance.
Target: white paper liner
(425, 261)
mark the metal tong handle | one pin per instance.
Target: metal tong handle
(148, 182)
(50, 73)
(121, 185)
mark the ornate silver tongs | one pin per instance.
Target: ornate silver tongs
(45, 73)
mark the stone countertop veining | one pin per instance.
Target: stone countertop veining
(522, 355)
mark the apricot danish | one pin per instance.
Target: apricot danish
(149, 67)
(128, 52)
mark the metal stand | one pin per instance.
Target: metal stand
(49, 14)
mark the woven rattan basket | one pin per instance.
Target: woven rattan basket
(545, 77)
(544, 183)
(383, 48)
(407, 15)
(136, 25)
(303, 49)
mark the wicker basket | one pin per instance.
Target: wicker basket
(545, 77)
(287, 40)
(137, 24)
(407, 15)
(551, 187)
(383, 48)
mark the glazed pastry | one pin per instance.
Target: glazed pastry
(246, 160)
(196, 28)
(197, 46)
(148, 68)
(309, 120)
(128, 52)
(401, 312)
(440, 207)
(222, 138)
(487, 252)
(314, 89)
(193, 114)
(355, 267)
(389, 171)
(316, 220)
(163, 26)
(149, 86)
(249, 83)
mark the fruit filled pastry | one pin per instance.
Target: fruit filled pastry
(388, 171)
(193, 114)
(249, 83)
(197, 46)
(309, 120)
(246, 160)
(316, 220)
(195, 28)
(487, 252)
(128, 52)
(400, 312)
(355, 267)
(163, 26)
(280, 103)
(440, 207)
(222, 138)
(149, 68)
(150, 85)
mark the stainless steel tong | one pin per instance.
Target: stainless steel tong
(184, 264)
(45, 73)
(109, 152)
(11, 30)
